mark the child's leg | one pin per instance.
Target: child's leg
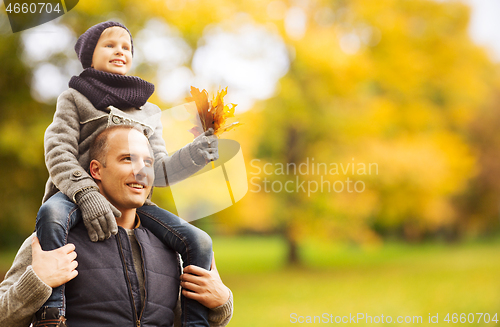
(54, 219)
(194, 246)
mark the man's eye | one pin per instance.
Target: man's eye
(127, 158)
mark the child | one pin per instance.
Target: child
(102, 96)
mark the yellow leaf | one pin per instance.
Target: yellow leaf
(228, 127)
(212, 114)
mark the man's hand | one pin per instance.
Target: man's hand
(54, 267)
(206, 286)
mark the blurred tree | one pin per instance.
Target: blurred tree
(391, 83)
(395, 83)
(479, 204)
(22, 123)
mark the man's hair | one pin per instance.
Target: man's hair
(100, 145)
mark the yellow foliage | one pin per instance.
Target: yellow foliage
(213, 114)
(401, 95)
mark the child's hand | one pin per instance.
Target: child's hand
(98, 214)
(204, 148)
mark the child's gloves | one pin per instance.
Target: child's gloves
(98, 214)
(204, 148)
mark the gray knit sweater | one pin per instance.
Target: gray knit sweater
(77, 122)
(22, 293)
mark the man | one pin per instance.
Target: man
(124, 279)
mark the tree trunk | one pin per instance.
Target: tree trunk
(293, 252)
(292, 156)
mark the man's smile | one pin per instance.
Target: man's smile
(136, 185)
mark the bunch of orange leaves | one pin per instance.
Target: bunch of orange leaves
(212, 114)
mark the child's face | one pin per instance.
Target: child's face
(113, 52)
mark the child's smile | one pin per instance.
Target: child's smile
(113, 53)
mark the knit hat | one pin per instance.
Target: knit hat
(87, 42)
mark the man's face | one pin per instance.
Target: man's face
(113, 52)
(128, 176)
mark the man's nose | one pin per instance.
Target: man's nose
(144, 174)
(139, 167)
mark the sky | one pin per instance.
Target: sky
(484, 25)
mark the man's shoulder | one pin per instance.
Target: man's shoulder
(21, 261)
(144, 234)
(24, 253)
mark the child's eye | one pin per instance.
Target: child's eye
(148, 163)
(109, 46)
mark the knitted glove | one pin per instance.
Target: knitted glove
(98, 214)
(204, 148)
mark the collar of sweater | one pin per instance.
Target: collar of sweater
(106, 89)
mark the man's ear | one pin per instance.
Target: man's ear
(95, 170)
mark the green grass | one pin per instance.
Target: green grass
(394, 279)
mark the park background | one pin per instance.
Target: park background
(396, 83)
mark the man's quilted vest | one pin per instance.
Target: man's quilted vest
(106, 287)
